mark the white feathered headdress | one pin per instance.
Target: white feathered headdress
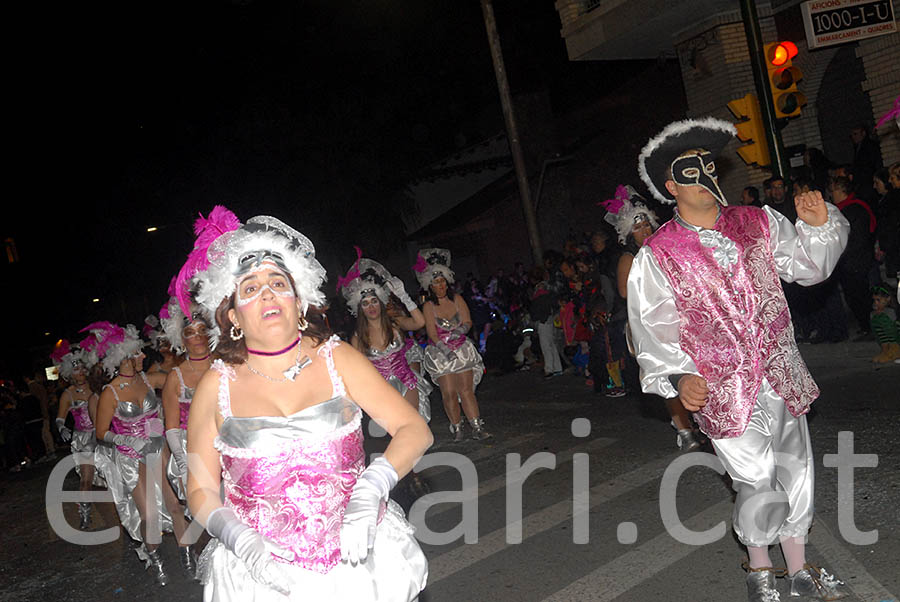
(432, 263)
(67, 358)
(365, 278)
(626, 209)
(233, 249)
(112, 344)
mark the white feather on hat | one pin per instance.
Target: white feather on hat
(430, 264)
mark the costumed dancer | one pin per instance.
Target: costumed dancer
(130, 429)
(276, 422)
(711, 326)
(634, 222)
(451, 359)
(367, 289)
(73, 365)
(189, 337)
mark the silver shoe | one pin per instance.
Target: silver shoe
(686, 440)
(816, 583)
(478, 432)
(761, 585)
(456, 431)
(84, 511)
(155, 563)
(188, 561)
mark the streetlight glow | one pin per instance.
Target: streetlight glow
(152, 229)
(96, 300)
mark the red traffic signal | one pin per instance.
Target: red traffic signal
(781, 53)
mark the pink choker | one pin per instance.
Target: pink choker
(199, 359)
(272, 353)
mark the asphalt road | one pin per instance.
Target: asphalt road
(609, 544)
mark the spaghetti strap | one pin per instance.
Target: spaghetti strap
(327, 351)
(180, 379)
(113, 389)
(146, 380)
(224, 394)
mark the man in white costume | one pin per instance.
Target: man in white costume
(711, 326)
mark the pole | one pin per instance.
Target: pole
(780, 164)
(512, 132)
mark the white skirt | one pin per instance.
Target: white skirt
(394, 571)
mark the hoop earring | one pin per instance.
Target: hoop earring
(302, 324)
(238, 336)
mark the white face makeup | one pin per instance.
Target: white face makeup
(252, 286)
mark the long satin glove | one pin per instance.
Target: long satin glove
(395, 285)
(64, 433)
(462, 328)
(361, 516)
(254, 550)
(173, 438)
(135, 443)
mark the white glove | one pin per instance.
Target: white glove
(361, 516)
(254, 550)
(135, 443)
(462, 328)
(395, 285)
(173, 438)
(64, 433)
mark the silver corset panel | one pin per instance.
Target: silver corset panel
(395, 345)
(261, 431)
(130, 409)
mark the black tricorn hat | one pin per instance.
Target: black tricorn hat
(656, 157)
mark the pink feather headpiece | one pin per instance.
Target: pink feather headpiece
(892, 114)
(420, 265)
(62, 349)
(106, 334)
(207, 230)
(619, 198)
(352, 273)
(111, 343)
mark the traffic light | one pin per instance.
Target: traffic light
(783, 78)
(751, 129)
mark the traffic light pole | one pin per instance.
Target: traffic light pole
(780, 164)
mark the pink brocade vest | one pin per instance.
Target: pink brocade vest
(735, 323)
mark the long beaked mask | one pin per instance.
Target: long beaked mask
(698, 169)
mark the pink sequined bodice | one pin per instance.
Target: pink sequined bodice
(290, 477)
(79, 411)
(138, 419)
(735, 322)
(392, 362)
(185, 396)
(444, 328)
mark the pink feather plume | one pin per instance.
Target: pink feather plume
(352, 273)
(420, 265)
(890, 114)
(106, 334)
(614, 204)
(207, 230)
(164, 311)
(60, 350)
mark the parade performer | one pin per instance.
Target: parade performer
(367, 289)
(190, 338)
(711, 326)
(634, 222)
(73, 365)
(451, 359)
(276, 422)
(130, 429)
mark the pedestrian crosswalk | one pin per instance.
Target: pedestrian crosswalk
(495, 569)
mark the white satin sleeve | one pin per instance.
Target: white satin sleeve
(654, 322)
(807, 254)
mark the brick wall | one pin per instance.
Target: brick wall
(881, 58)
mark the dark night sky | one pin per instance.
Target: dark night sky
(145, 113)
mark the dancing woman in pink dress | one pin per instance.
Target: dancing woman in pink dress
(276, 423)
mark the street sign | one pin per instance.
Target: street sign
(830, 22)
